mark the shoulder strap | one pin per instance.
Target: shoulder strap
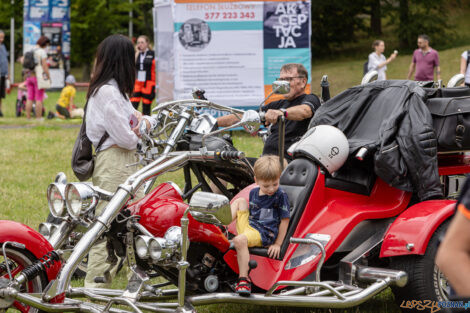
(468, 57)
(105, 135)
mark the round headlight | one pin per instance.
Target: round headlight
(74, 201)
(157, 248)
(55, 199)
(142, 246)
(79, 198)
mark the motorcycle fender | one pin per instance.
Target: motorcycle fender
(33, 241)
(412, 230)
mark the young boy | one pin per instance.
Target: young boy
(65, 106)
(262, 222)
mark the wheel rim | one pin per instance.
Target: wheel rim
(21, 261)
(443, 287)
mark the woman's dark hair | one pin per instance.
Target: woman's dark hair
(114, 59)
(43, 41)
(376, 43)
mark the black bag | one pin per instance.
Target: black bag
(28, 60)
(83, 161)
(451, 121)
(365, 68)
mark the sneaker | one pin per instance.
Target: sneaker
(51, 115)
(243, 287)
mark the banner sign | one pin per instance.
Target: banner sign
(52, 19)
(233, 50)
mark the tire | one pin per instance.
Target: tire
(425, 280)
(21, 259)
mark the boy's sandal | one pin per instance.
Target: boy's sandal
(243, 287)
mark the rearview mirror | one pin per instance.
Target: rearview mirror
(251, 121)
(211, 208)
(281, 87)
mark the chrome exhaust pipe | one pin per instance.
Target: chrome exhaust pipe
(372, 274)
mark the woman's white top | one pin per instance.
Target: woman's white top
(467, 72)
(374, 61)
(109, 111)
(39, 55)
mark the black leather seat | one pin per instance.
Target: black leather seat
(447, 92)
(297, 180)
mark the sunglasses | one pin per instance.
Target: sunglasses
(289, 79)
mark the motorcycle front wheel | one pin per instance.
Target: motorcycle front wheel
(18, 260)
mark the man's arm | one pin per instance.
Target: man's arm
(274, 250)
(295, 113)
(228, 120)
(438, 72)
(411, 70)
(453, 256)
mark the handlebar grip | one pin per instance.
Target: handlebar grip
(232, 155)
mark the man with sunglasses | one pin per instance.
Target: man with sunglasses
(297, 107)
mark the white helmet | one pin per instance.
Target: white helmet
(325, 144)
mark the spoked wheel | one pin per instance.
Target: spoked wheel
(425, 279)
(18, 260)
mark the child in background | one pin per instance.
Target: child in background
(262, 222)
(65, 105)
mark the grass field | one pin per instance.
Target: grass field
(32, 152)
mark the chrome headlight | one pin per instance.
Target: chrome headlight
(80, 198)
(158, 249)
(47, 229)
(55, 199)
(142, 246)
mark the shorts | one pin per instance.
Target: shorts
(243, 227)
(62, 111)
(3, 86)
(34, 94)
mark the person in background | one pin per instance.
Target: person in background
(297, 107)
(464, 68)
(377, 60)
(425, 60)
(65, 106)
(453, 255)
(112, 125)
(34, 93)
(4, 72)
(144, 88)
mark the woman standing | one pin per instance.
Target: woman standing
(377, 60)
(41, 68)
(464, 68)
(144, 88)
(109, 116)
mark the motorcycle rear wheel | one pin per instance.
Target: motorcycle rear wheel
(21, 259)
(425, 280)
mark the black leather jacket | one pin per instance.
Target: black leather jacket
(391, 120)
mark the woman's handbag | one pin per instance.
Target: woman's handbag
(83, 160)
(42, 82)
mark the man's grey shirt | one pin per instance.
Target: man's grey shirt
(3, 60)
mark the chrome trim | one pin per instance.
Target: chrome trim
(294, 301)
(174, 185)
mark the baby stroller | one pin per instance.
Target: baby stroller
(20, 101)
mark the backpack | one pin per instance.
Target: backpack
(365, 68)
(28, 60)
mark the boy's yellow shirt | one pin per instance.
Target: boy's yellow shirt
(65, 95)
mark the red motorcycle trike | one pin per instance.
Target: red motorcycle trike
(348, 240)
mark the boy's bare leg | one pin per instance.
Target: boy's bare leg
(243, 255)
(238, 205)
